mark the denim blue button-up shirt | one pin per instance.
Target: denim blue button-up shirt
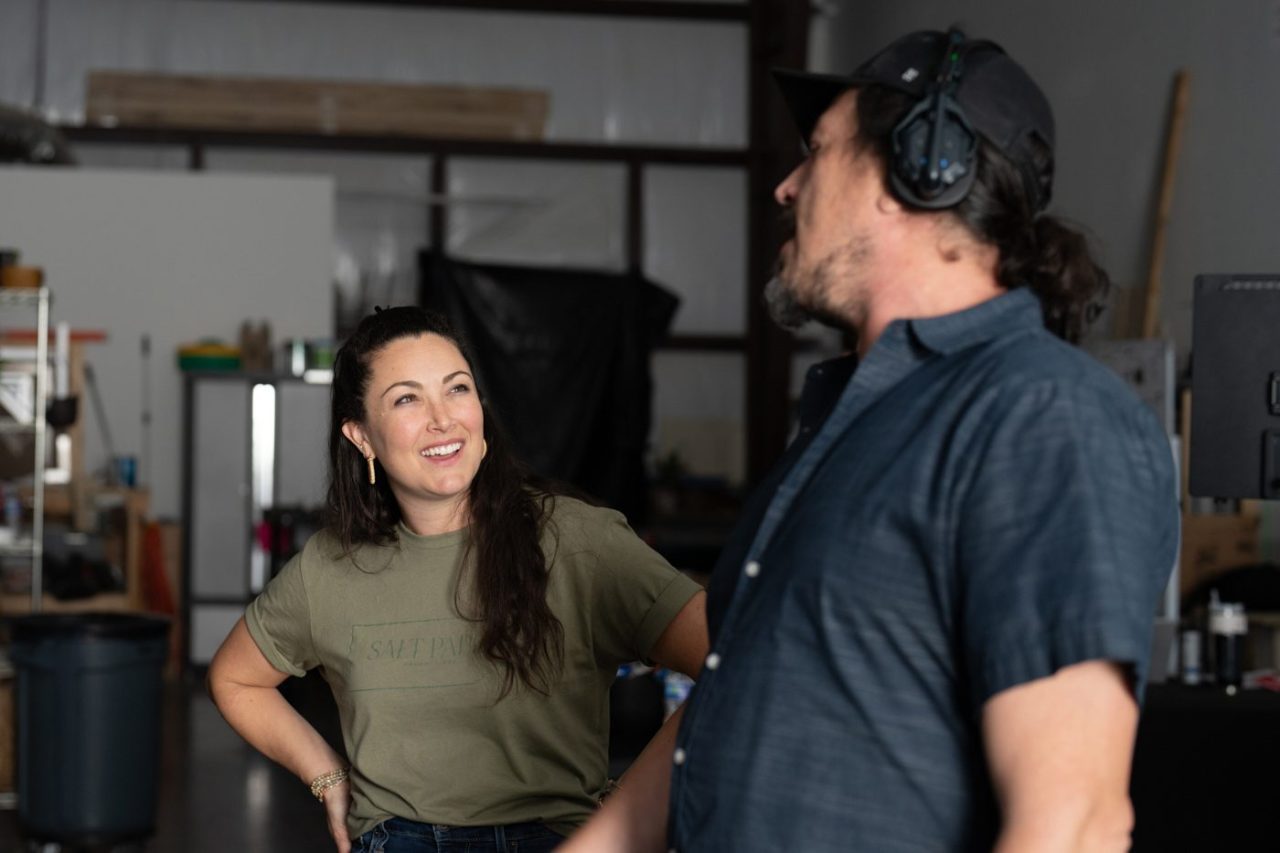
(977, 505)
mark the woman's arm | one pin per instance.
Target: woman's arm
(243, 684)
(634, 818)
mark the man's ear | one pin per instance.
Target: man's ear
(355, 435)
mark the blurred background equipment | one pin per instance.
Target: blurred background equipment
(27, 138)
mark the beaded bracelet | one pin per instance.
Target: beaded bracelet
(325, 781)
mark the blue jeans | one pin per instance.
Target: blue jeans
(398, 835)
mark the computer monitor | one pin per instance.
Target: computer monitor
(1235, 387)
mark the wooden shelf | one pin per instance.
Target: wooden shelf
(13, 604)
(60, 503)
(535, 150)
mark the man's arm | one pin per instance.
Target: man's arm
(634, 818)
(1059, 750)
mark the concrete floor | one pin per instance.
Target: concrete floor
(215, 792)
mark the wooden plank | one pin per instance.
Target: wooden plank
(313, 106)
(1172, 145)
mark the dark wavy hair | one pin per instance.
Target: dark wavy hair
(508, 509)
(1036, 251)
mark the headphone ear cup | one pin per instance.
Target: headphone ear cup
(914, 177)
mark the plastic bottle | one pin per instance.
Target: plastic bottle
(13, 513)
(1228, 624)
(675, 689)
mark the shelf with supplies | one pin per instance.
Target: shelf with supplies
(66, 544)
(24, 394)
(98, 567)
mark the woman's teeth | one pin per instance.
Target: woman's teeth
(443, 449)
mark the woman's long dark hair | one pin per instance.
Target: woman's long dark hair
(1036, 251)
(508, 509)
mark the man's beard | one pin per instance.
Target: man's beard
(779, 296)
(782, 305)
(793, 297)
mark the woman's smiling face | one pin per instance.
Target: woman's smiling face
(424, 424)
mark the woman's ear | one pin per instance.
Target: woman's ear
(355, 435)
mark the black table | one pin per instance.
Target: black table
(1206, 772)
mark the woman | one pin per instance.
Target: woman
(468, 623)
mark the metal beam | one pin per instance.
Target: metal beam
(675, 9)
(535, 150)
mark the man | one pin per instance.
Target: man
(931, 629)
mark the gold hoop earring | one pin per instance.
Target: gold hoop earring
(373, 474)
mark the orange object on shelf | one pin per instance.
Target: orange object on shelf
(78, 336)
(20, 276)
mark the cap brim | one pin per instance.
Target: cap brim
(809, 95)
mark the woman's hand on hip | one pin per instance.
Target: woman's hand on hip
(337, 802)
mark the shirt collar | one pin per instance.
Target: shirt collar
(1014, 311)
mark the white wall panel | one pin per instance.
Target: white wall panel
(220, 522)
(17, 52)
(695, 243)
(540, 213)
(699, 400)
(631, 80)
(179, 257)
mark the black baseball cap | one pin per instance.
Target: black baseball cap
(998, 97)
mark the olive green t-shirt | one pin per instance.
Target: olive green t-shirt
(427, 735)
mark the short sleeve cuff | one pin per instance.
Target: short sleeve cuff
(268, 648)
(669, 602)
(1020, 662)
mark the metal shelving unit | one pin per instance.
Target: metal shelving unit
(32, 545)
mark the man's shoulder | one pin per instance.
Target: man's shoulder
(1038, 358)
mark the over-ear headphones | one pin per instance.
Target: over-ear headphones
(934, 146)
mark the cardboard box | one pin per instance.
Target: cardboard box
(313, 106)
(1214, 543)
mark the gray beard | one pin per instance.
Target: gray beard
(782, 305)
(789, 312)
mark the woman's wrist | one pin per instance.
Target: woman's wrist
(331, 779)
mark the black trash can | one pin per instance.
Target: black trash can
(88, 699)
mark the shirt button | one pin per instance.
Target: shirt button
(678, 757)
(752, 569)
(713, 661)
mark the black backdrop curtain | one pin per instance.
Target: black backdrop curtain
(562, 357)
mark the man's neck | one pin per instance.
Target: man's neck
(926, 289)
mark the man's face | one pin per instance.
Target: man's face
(823, 270)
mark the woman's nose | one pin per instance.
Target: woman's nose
(438, 417)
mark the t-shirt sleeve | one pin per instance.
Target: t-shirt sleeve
(636, 593)
(1067, 536)
(279, 620)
